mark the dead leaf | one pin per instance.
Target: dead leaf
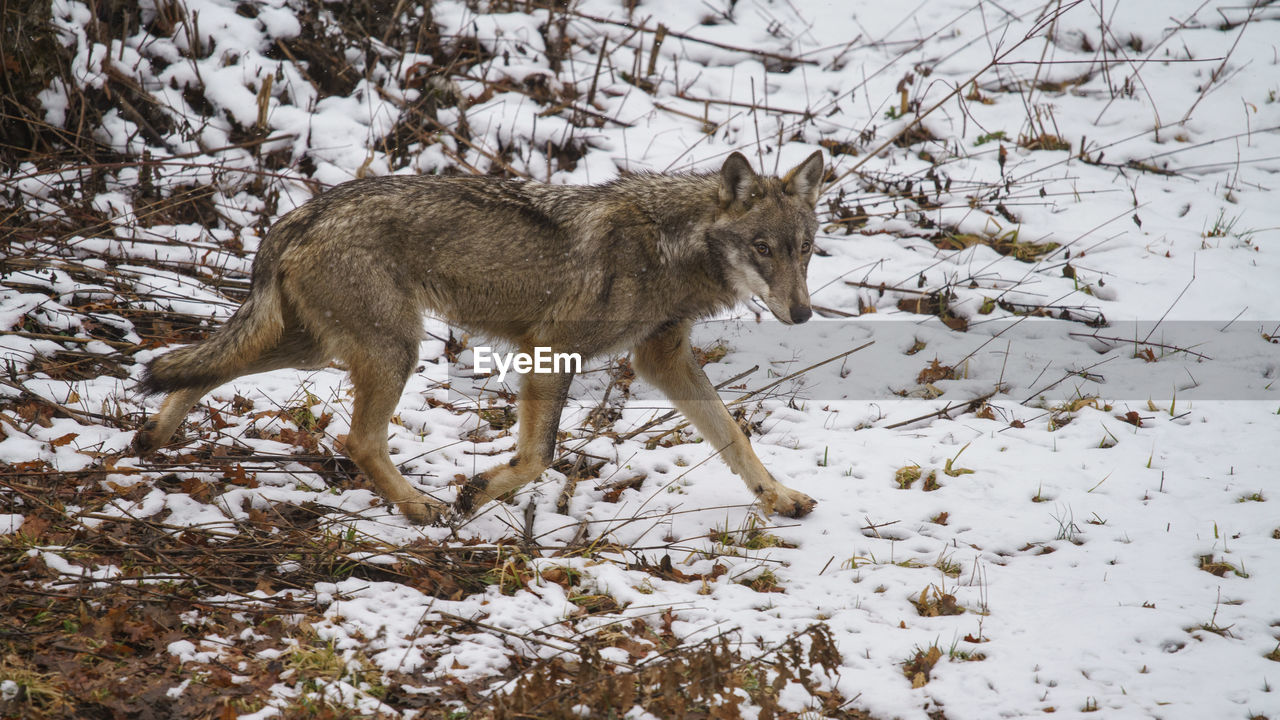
(35, 412)
(64, 440)
(934, 372)
(1132, 417)
(237, 476)
(217, 420)
(33, 527)
(197, 489)
(920, 665)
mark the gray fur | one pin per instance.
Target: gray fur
(588, 269)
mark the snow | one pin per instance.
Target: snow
(11, 523)
(1077, 544)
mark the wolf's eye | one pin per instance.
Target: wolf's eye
(805, 246)
(762, 248)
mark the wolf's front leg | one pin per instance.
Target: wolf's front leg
(542, 397)
(666, 360)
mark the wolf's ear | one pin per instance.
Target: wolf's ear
(736, 179)
(805, 180)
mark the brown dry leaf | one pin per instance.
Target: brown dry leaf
(556, 575)
(134, 492)
(614, 490)
(1132, 417)
(217, 420)
(934, 372)
(298, 438)
(935, 603)
(104, 626)
(667, 618)
(109, 464)
(197, 489)
(34, 527)
(667, 571)
(32, 465)
(237, 476)
(636, 649)
(64, 440)
(35, 412)
(919, 666)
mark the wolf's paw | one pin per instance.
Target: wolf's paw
(793, 503)
(496, 483)
(145, 441)
(472, 494)
(421, 510)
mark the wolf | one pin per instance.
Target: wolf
(588, 269)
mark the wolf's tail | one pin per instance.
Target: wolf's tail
(255, 328)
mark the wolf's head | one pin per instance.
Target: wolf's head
(764, 230)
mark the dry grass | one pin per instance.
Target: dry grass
(1220, 568)
(1006, 243)
(66, 643)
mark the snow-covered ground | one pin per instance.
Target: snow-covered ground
(1097, 532)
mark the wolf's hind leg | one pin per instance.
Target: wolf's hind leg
(542, 397)
(159, 428)
(379, 376)
(666, 360)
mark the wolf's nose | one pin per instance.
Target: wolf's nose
(801, 313)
